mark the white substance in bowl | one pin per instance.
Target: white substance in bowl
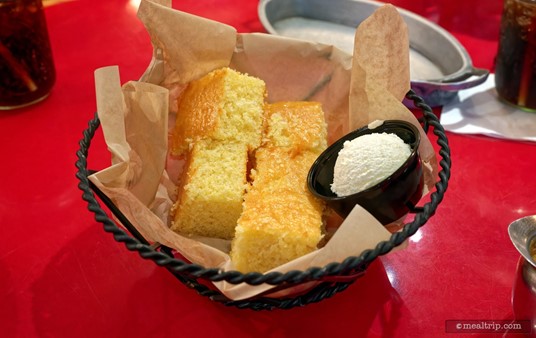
(366, 161)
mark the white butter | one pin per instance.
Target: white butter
(366, 161)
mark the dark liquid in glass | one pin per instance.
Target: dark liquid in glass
(515, 68)
(27, 71)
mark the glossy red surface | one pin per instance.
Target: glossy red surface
(61, 275)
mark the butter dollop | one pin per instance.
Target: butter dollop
(366, 161)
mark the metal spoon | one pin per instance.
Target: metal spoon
(522, 232)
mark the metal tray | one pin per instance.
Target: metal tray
(439, 65)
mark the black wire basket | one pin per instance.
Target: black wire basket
(328, 280)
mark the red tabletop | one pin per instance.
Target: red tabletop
(61, 275)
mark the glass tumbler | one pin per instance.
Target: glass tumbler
(515, 65)
(27, 72)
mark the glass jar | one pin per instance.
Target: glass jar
(27, 71)
(515, 65)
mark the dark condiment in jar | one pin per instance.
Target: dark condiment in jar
(515, 67)
(27, 71)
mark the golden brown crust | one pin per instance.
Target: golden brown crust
(298, 125)
(198, 110)
(223, 105)
(281, 220)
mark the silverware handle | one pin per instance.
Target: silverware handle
(470, 78)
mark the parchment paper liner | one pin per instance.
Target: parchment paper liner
(136, 117)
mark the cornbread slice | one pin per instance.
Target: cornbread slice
(223, 105)
(219, 122)
(211, 190)
(297, 125)
(281, 220)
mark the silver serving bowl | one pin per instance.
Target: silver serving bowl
(439, 65)
(522, 232)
